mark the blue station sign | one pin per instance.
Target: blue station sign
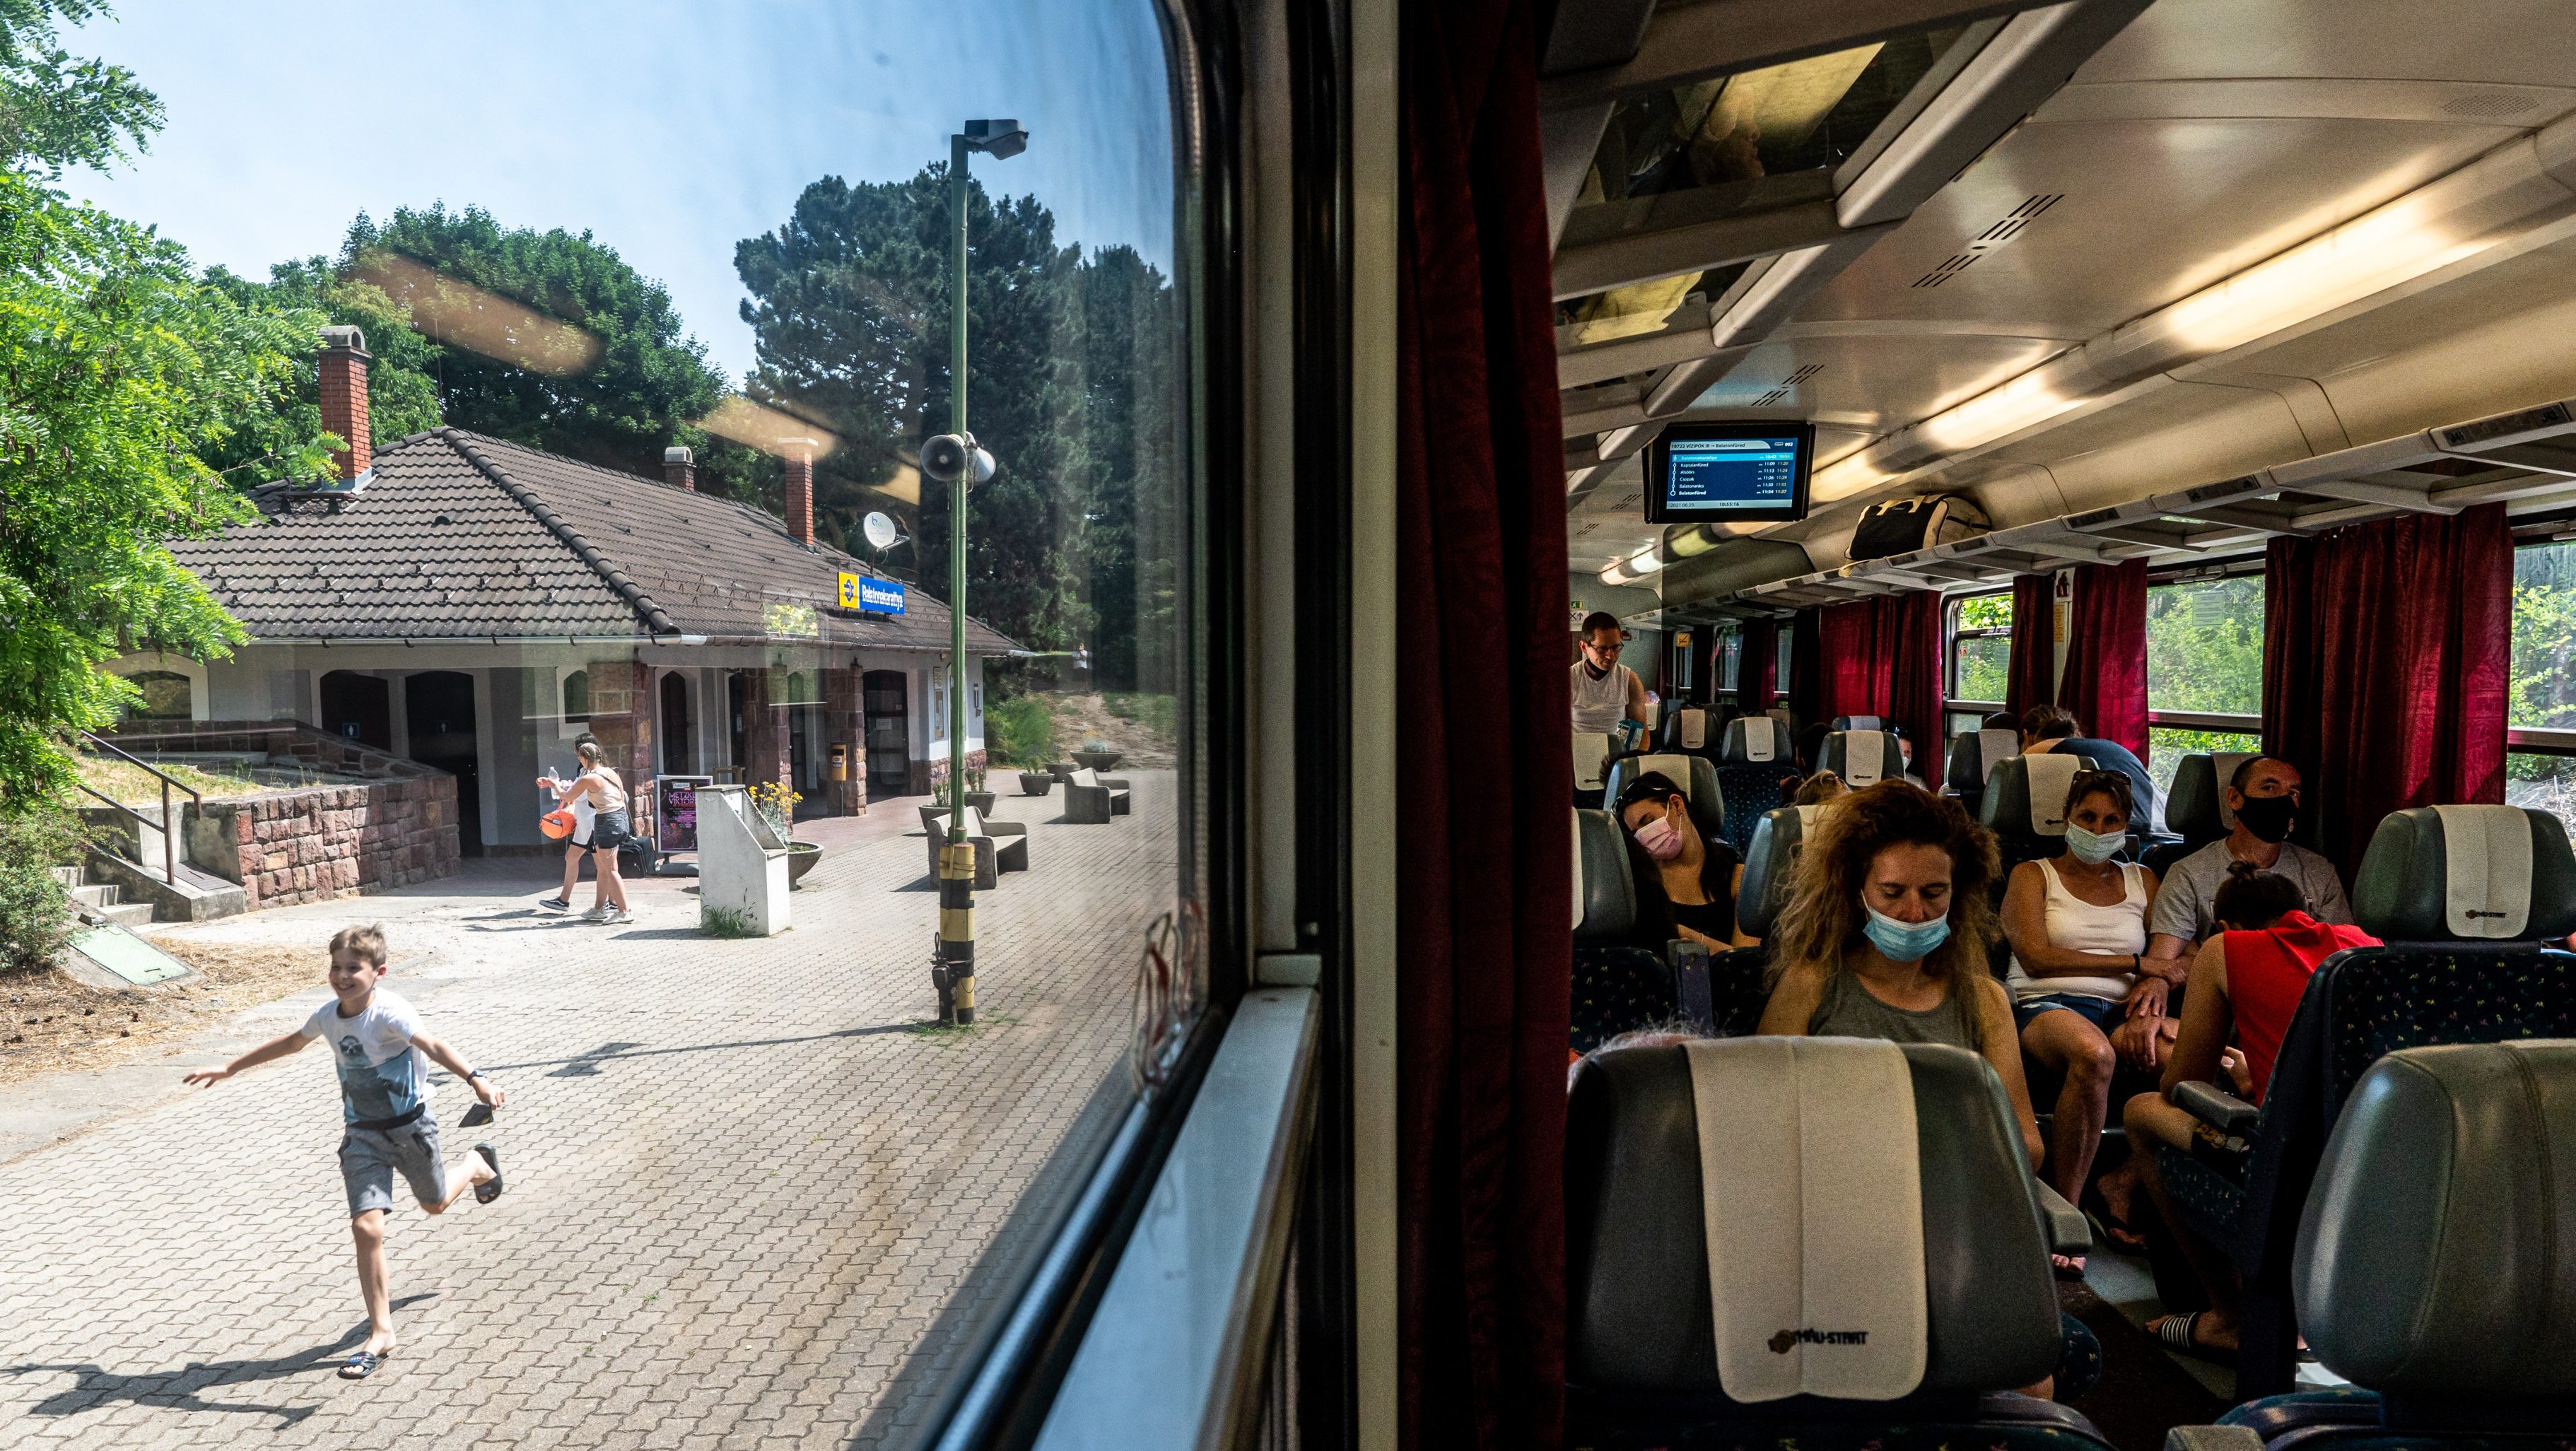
(871, 595)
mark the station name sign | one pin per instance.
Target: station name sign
(871, 595)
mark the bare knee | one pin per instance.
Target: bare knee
(2091, 1061)
(368, 1229)
(432, 1207)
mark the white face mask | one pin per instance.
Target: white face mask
(2090, 848)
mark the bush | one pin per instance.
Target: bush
(1154, 712)
(1020, 731)
(35, 909)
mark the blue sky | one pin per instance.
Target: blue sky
(670, 130)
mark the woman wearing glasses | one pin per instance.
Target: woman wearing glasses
(2078, 927)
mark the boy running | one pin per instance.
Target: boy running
(384, 1098)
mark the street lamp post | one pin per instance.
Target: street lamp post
(954, 972)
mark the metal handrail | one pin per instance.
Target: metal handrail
(169, 827)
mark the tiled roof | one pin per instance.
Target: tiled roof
(460, 536)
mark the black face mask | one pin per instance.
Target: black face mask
(2268, 817)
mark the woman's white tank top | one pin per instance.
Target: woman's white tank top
(2078, 926)
(1599, 705)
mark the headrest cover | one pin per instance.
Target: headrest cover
(1863, 757)
(2437, 1253)
(1756, 738)
(2222, 765)
(1591, 752)
(2486, 856)
(2046, 778)
(1813, 1210)
(2427, 862)
(1673, 768)
(1605, 906)
(1637, 1275)
(1694, 730)
(1994, 747)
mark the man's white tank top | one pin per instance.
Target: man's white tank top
(1599, 705)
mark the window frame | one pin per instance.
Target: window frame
(1951, 635)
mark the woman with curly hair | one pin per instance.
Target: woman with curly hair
(1890, 919)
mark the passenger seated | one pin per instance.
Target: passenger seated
(2078, 927)
(2053, 728)
(2246, 982)
(1886, 934)
(2264, 797)
(1686, 882)
(1818, 789)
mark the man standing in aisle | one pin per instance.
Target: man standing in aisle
(379, 1043)
(1605, 691)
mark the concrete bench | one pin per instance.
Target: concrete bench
(1091, 798)
(1000, 846)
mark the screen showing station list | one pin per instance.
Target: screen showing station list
(1724, 476)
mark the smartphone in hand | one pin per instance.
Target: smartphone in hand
(477, 1116)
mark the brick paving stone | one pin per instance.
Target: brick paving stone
(743, 1182)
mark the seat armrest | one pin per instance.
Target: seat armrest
(2068, 1234)
(2212, 1438)
(2216, 1107)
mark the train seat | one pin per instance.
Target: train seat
(1973, 757)
(2196, 806)
(2433, 1267)
(1860, 723)
(1695, 775)
(1593, 753)
(1617, 986)
(2471, 902)
(1697, 730)
(2024, 803)
(1863, 757)
(1641, 1338)
(1763, 739)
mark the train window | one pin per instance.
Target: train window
(2204, 669)
(1980, 649)
(594, 413)
(1730, 659)
(2540, 768)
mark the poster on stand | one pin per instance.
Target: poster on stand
(675, 812)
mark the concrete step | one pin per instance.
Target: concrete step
(129, 914)
(70, 877)
(97, 896)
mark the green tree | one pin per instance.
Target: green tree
(1074, 541)
(123, 371)
(56, 111)
(2204, 653)
(544, 338)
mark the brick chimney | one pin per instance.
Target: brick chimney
(800, 487)
(344, 396)
(680, 469)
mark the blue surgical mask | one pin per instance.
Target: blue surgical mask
(2090, 848)
(1904, 941)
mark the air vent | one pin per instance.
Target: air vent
(1992, 237)
(2486, 105)
(2486, 430)
(1788, 385)
(2229, 490)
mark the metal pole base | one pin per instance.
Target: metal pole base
(953, 973)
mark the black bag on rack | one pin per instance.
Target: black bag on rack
(1902, 526)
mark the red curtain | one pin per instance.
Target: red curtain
(1757, 666)
(1882, 656)
(2387, 651)
(2031, 677)
(1483, 872)
(2105, 684)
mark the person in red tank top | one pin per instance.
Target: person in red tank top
(2246, 982)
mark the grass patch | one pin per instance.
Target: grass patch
(725, 922)
(1155, 712)
(123, 781)
(1020, 731)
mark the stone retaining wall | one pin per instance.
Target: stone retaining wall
(313, 843)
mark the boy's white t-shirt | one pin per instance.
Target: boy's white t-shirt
(381, 1075)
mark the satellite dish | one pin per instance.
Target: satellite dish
(880, 531)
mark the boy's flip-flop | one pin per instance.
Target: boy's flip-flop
(489, 1189)
(362, 1365)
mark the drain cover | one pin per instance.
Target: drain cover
(128, 956)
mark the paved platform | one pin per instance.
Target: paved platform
(752, 1201)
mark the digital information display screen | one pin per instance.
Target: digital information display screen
(1727, 472)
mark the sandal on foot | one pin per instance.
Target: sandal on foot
(489, 1189)
(2173, 1332)
(363, 1364)
(2067, 1267)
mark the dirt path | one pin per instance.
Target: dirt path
(56, 1022)
(1083, 718)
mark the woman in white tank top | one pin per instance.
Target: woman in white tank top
(2078, 927)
